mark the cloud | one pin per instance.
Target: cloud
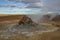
(3, 5)
(35, 5)
(10, 0)
(13, 5)
(29, 1)
(8, 5)
(51, 4)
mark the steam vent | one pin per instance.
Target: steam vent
(26, 26)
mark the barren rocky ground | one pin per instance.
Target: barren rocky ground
(11, 30)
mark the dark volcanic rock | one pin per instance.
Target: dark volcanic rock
(56, 18)
(26, 20)
(53, 18)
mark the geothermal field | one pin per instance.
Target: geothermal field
(26, 27)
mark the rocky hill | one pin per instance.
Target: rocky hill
(51, 18)
(25, 29)
(25, 20)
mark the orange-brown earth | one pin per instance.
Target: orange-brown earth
(11, 18)
(7, 20)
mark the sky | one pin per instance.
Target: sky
(29, 6)
(19, 6)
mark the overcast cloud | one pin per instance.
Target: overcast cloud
(51, 4)
(28, 3)
(45, 4)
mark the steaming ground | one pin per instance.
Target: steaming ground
(27, 30)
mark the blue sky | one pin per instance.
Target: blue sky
(19, 7)
(28, 6)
